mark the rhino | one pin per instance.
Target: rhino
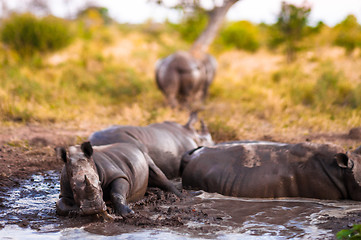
(118, 173)
(164, 142)
(274, 170)
(184, 79)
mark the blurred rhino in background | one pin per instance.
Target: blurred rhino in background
(184, 79)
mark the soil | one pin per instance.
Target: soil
(29, 149)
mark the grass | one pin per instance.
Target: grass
(109, 79)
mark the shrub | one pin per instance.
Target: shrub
(349, 34)
(192, 25)
(241, 35)
(29, 35)
(220, 131)
(330, 89)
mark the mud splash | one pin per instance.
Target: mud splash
(28, 212)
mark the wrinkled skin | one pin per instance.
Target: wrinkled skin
(273, 170)
(184, 79)
(164, 142)
(118, 173)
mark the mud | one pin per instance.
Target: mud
(29, 187)
(28, 211)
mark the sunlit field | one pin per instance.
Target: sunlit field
(108, 78)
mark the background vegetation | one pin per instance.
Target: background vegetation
(92, 72)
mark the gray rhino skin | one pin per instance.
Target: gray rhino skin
(274, 170)
(184, 79)
(118, 173)
(164, 142)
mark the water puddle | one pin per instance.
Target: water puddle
(28, 212)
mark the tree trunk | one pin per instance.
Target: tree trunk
(216, 17)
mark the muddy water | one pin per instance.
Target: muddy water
(28, 212)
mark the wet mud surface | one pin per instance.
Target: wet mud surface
(29, 188)
(30, 207)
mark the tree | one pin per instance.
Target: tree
(291, 27)
(216, 15)
(349, 34)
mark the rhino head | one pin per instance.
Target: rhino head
(84, 179)
(351, 164)
(202, 137)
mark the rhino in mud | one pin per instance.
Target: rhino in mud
(164, 142)
(184, 79)
(118, 173)
(274, 170)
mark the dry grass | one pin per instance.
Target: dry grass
(110, 80)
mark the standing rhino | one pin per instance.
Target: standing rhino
(184, 79)
(118, 172)
(273, 170)
(164, 142)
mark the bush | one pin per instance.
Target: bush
(241, 35)
(349, 34)
(28, 35)
(220, 131)
(329, 90)
(192, 26)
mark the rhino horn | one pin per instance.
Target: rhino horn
(89, 188)
(86, 181)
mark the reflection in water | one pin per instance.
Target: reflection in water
(241, 218)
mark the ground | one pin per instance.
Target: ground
(28, 149)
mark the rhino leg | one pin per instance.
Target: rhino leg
(172, 100)
(118, 193)
(170, 87)
(65, 206)
(158, 179)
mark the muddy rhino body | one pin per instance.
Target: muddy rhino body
(274, 170)
(164, 142)
(118, 173)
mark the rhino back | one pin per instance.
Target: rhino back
(251, 170)
(166, 142)
(114, 134)
(122, 160)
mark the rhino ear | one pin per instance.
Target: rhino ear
(192, 120)
(343, 161)
(61, 153)
(204, 129)
(357, 150)
(87, 149)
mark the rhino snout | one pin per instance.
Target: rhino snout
(93, 207)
